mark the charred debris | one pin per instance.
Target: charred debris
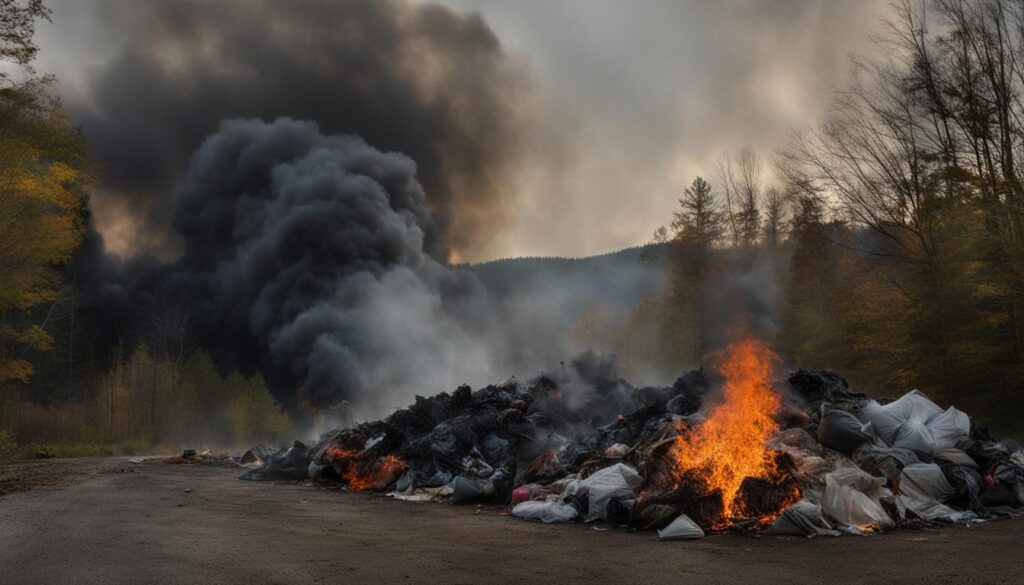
(840, 461)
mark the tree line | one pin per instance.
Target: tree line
(148, 402)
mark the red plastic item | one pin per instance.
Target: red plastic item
(523, 493)
(989, 480)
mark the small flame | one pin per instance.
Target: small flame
(363, 473)
(730, 445)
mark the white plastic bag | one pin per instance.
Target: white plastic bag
(925, 481)
(914, 422)
(803, 518)
(948, 428)
(548, 512)
(682, 528)
(617, 481)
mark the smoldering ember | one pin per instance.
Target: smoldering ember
(732, 449)
(461, 291)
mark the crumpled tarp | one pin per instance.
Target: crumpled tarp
(885, 461)
(842, 431)
(924, 490)
(925, 481)
(286, 464)
(916, 423)
(804, 518)
(852, 499)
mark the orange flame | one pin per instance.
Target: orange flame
(730, 445)
(362, 473)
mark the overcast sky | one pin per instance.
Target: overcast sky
(626, 101)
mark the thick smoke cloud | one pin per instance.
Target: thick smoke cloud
(307, 257)
(423, 80)
(311, 250)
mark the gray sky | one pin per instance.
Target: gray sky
(626, 101)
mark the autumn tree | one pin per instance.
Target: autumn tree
(42, 200)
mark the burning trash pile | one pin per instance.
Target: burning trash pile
(808, 456)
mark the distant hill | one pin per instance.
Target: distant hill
(616, 279)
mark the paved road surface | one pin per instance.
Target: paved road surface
(109, 521)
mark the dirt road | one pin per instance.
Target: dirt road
(110, 521)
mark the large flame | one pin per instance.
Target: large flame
(361, 472)
(730, 445)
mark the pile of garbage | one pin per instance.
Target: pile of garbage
(554, 453)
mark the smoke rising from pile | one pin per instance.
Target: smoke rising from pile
(315, 249)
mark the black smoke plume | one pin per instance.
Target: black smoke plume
(309, 253)
(420, 79)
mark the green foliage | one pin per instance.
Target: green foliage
(255, 415)
(144, 403)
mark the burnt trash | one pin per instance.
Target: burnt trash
(791, 417)
(619, 511)
(817, 388)
(653, 516)
(760, 498)
(593, 448)
(288, 464)
(467, 490)
(689, 497)
(967, 485)
(841, 431)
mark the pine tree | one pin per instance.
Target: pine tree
(699, 225)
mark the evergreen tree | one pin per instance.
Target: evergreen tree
(698, 227)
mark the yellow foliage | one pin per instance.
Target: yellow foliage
(42, 181)
(14, 370)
